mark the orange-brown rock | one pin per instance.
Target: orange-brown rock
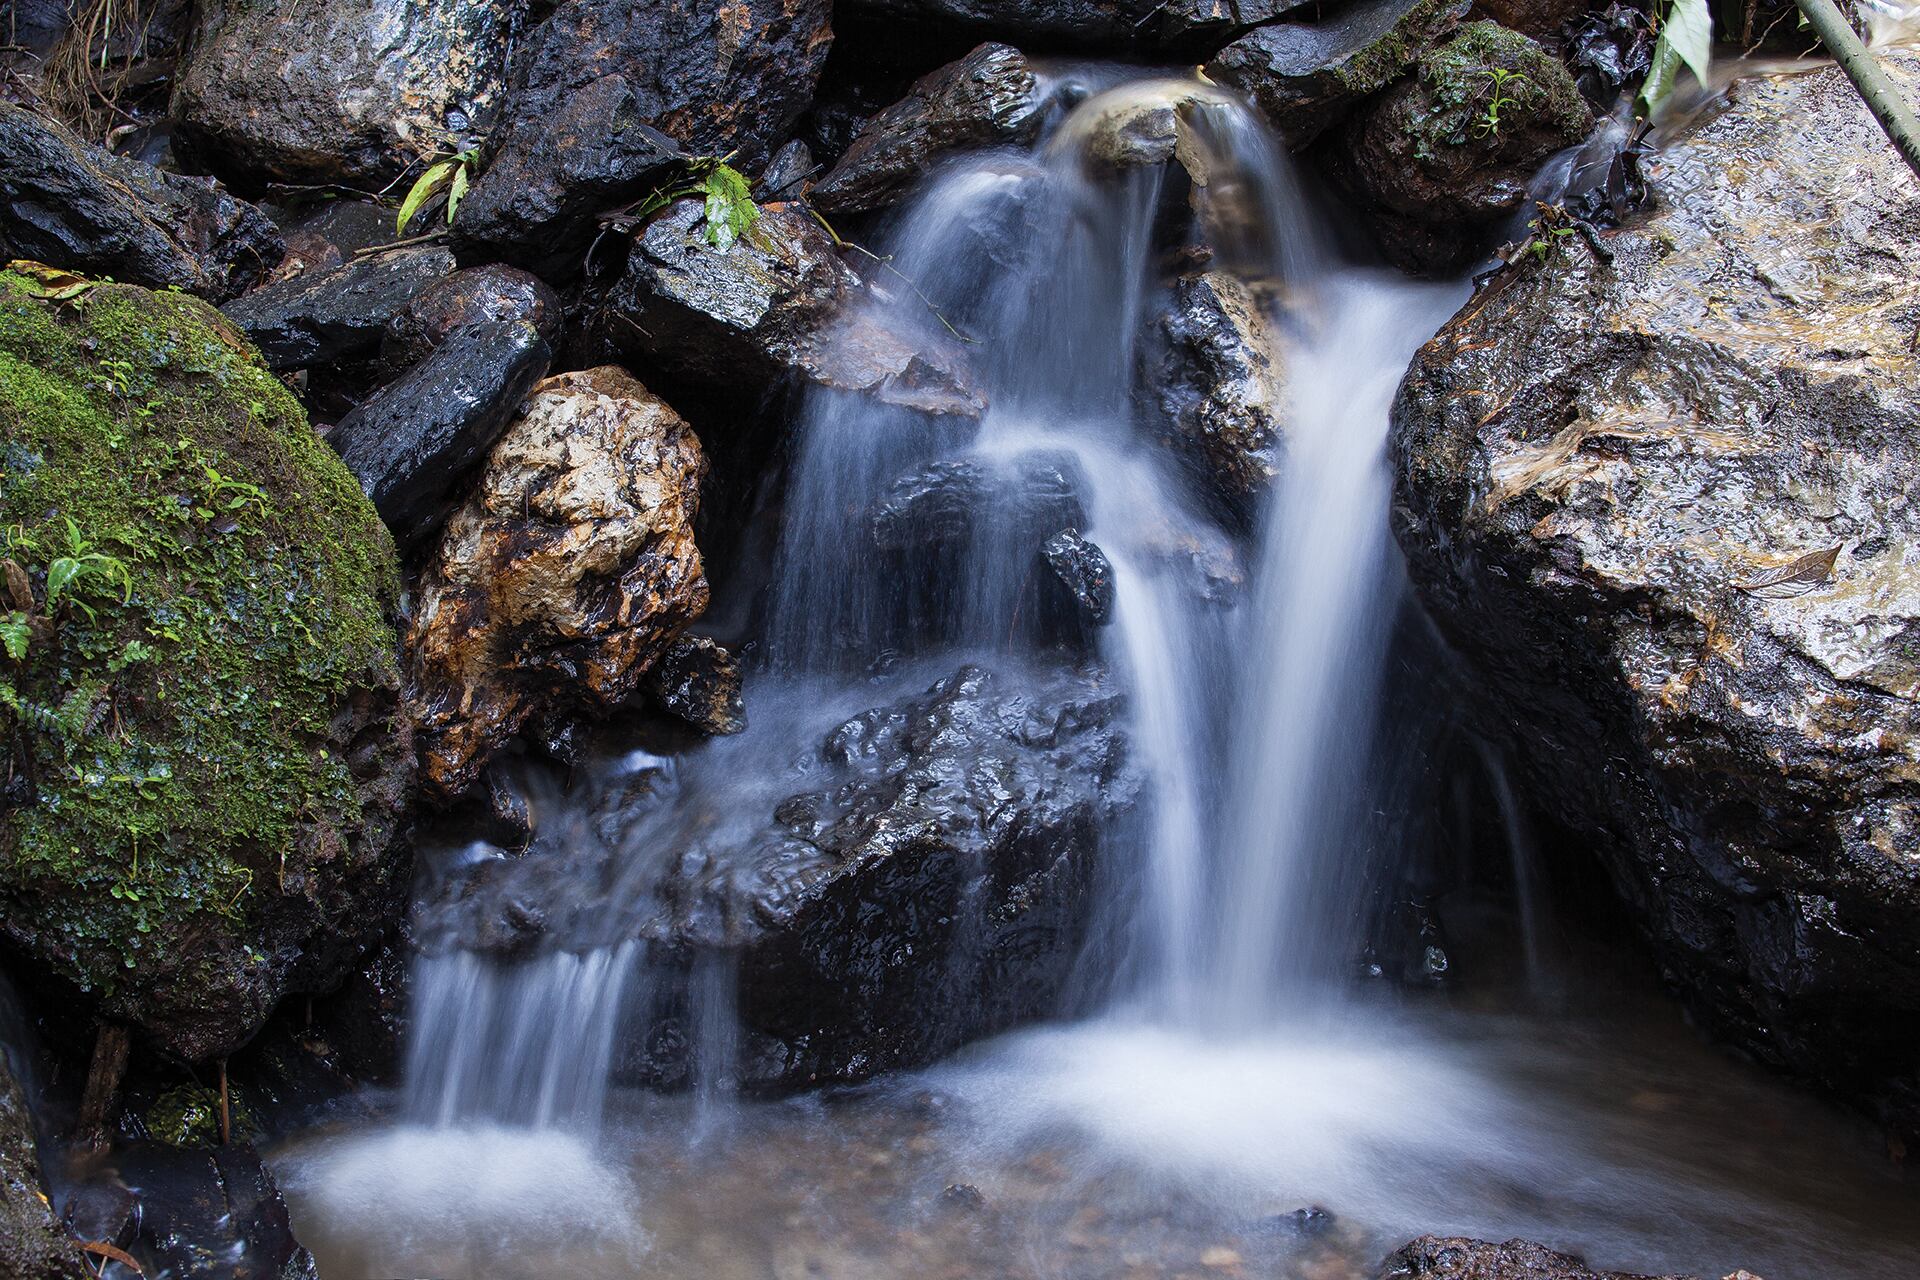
(566, 574)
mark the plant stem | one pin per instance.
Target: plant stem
(1885, 101)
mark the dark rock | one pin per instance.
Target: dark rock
(1306, 77)
(412, 444)
(1609, 51)
(1432, 170)
(339, 91)
(185, 1212)
(73, 206)
(1662, 504)
(775, 304)
(538, 203)
(363, 1024)
(962, 1197)
(328, 316)
(1082, 568)
(570, 569)
(699, 682)
(714, 78)
(786, 175)
(32, 1245)
(267, 766)
(1455, 1258)
(1211, 364)
(1544, 20)
(1168, 27)
(479, 295)
(948, 502)
(988, 98)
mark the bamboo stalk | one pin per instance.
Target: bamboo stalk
(1885, 101)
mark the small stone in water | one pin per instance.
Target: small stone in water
(962, 1197)
(1220, 1258)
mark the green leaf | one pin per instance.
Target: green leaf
(730, 210)
(1686, 39)
(60, 575)
(16, 631)
(425, 188)
(457, 191)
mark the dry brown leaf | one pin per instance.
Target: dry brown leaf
(1814, 569)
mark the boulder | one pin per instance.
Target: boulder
(539, 202)
(495, 294)
(206, 765)
(1663, 505)
(1083, 570)
(1184, 28)
(988, 98)
(717, 79)
(76, 207)
(1457, 1258)
(353, 92)
(416, 439)
(698, 682)
(921, 876)
(325, 317)
(946, 503)
(1216, 386)
(775, 304)
(1450, 150)
(1306, 77)
(32, 1244)
(566, 574)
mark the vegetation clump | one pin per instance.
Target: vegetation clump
(1489, 82)
(193, 588)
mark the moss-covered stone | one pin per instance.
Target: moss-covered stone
(205, 762)
(1450, 149)
(188, 1115)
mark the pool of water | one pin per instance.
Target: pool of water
(1116, 1148)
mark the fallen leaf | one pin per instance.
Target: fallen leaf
(50, 282)
(105, 1250)
(1814, 569)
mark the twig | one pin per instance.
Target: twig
(226, 1115)
(841, 242)
(1885, 101)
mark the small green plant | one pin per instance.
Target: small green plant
(729, 212)
(16, 634)
(453, 176)
(82, 565)
(1501, 80)
(1685, 39)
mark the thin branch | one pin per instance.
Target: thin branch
(1885, 101)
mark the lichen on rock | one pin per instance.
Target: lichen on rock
(205, 765)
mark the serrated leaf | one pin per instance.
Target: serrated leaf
(457, 190)
(16, 632)
(425, 188)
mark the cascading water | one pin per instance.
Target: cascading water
(1226, 1050)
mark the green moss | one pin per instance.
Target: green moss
(188, 1115)
(1460, 80)
(186, 754)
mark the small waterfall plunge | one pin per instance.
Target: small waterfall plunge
(1049, 265)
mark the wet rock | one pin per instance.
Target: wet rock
(699, 682)
(1662, 505)
(413, 443)
(32, 1245)
(1082, 568)
(184, 1212)
(1306, 77)
(235, 693)
(1457, 1258)
(493, 294)
(1170, 27)
(786, 175)
(1543, 20)
(338, 91)
(1432, 161)
(1218, 389)
(717, 79)
(539, 202)
(988, 98)
(325, 317)
(74, 206)
(775, 304)
(566, 574)
(1610, 50)
(950, 502)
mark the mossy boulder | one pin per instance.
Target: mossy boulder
(1448, 152)
(205, 765)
